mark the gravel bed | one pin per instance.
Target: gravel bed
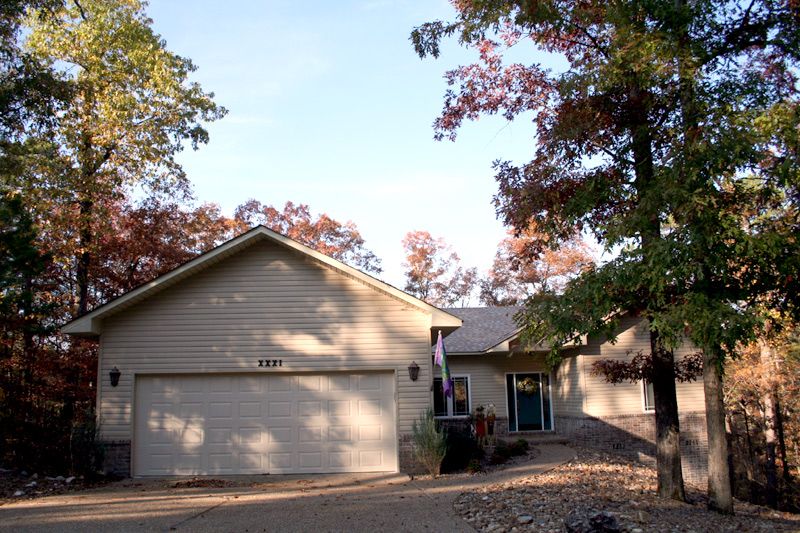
(16, 485)
(598, 482)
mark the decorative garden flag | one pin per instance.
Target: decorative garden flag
(440, 358)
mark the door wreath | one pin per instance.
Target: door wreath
(528, 386)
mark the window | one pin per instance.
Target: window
(649, 397)
(455, 405)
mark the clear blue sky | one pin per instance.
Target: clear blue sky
(330, 106)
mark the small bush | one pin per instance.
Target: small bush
(497, 459)
(430, 445)
(519, 447)
(474, 466)
(502, 449)
(462, 448)
(501, 454)
(86, 452)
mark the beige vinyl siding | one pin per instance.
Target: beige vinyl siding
(568, 398)
(604, 399)
(487, 375)
(265, 302)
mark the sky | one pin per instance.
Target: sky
(329, 106)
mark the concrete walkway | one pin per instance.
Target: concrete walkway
(342, 502)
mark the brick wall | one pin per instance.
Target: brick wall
(117, 458)
(463, 424)
(407, 460)
(634, 436)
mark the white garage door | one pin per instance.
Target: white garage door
(265, 423)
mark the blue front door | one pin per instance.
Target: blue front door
(528, 396)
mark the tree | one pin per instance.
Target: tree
(341, 241)
(646, 140)
(434, 272)
(761, 400)
(30, 92)
(23, 311)
(132, 111)
(519, 271)
(148, 239)
(92, 106)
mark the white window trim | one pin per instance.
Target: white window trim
(450, 400)
(644, 399)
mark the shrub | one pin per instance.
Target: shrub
(519, 447)
(430, 445)
(501, 454)
(474, 466)
(86, 452)
(462, 448)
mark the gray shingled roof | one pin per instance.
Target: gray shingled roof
(483, 328)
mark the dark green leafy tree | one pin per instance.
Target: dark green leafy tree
(23, 317)
(133, 109)
(92, 107)
(669, 136)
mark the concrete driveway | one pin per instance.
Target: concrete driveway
(343, 502)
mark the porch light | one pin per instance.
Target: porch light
(114, 375)
(413, 371)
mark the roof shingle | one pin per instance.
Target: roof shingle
(483, 328)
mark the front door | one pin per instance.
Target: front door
(528, 396)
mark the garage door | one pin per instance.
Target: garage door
(253, 424)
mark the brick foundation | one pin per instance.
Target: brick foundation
(634, 436)
(407, 461)
(117, 458)
(463, 424)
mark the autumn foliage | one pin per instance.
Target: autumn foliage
(434, 272)
(524, 266)
(762, 394)
(640, 367)
(335, 239)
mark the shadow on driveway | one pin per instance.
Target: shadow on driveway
(343, 502)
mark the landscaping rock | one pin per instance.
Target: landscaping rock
(591, 521)
(13, 485)
(615, 494)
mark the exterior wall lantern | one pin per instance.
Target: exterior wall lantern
(114, 375)
(413, 371)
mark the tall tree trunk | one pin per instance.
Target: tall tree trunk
(770, 433)
(787, 469)
(720, 497)
(84, 259)
(668, 451)
(750, 464)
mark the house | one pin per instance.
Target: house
(489, 367)
(264, 355)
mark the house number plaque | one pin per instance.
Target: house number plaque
(270, 362)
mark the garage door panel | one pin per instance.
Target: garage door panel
(193, 425)
(280, 408)
(341, 383)
(281, 383)
(309, 408)
(309, 383)
(280, 435)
